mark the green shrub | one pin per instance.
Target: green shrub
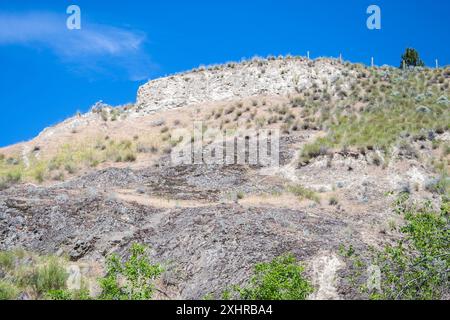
(129, 157)
(26, 272)
(70, 168)
(446, 150)
(46, 277)
(14, 176)
(132, 279)
(230, 110)
(7, 260)
(39, 173)
(303, 193)
(417, 266)
(50, 276)
(11, 176)
(68, 295)
(333, 201)
(440, 185)
(280, 279)
(318, 148)
(8, 291)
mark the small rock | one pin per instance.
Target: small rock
(80, 249)
(157, 123)
(60, 252)
(431, 135)
(24, 296)
(141, 190)
(420, 97)
(12, 161)
(443, 100)
(423, 109)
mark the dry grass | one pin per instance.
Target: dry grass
(303, 193)
(391, 110)
(30, 273)
(158, 202)
(372, 113)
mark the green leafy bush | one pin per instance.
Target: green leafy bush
(417, 266)
(45, 277)
(280, 279)
(68, 295)
(132, 279)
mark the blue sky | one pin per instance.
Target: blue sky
(47, 72)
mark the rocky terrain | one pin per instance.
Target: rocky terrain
(99, 182)
(236, 81)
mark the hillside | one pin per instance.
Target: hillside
(352, 139)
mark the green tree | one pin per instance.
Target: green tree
(411, 58)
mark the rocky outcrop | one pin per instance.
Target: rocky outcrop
(204, 249)
(242, 80)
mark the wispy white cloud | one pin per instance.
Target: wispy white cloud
(94, 47)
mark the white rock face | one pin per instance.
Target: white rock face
(232, 81)
(72, 123)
